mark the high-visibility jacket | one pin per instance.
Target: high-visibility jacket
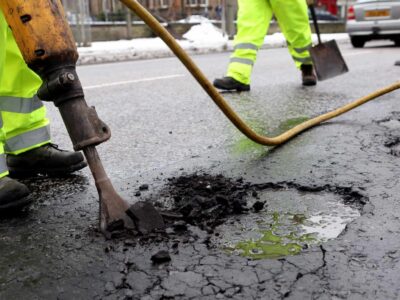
(23, 122)
(253, 20)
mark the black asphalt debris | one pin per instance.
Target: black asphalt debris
(207, 200)
(258, 205)
(161, 257)
(144, 187)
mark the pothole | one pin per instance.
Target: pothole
(266, 220)
(293, 220)
(392, 123)
(393, 143)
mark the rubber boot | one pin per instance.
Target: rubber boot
(229, 84)
(307, 75)
(13, 195)
(47, 160)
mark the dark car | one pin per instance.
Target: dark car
(370, 20)
(323, 15)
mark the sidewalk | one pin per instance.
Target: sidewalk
(200, 39)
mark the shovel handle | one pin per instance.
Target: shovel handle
(314, 17)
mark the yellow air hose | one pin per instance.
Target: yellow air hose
(220, 101)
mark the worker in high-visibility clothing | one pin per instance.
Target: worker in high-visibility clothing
(25, 146)
(253, 20)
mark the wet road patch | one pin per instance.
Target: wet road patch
(245, 145)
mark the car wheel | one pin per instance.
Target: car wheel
(357, 42)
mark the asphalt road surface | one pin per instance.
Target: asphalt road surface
(330, 226)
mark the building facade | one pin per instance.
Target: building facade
(170, 10)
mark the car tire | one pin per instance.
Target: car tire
(357, 42)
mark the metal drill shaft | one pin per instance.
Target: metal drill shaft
(112, 206)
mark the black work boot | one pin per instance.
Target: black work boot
(229, 83)
(13, 195)
(307, 75)
(46, 160)
(397, 63)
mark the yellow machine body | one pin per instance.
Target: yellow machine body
(41, 32)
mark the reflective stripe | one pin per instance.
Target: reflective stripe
(27, 139)
(246, 46)
(300, 50)
(304, 60)
(20, 105)
(242, 61)
(3, 164)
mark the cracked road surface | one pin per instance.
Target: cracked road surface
(165, 126)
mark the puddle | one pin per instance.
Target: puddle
(292, 221)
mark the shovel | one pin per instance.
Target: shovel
(327, 59)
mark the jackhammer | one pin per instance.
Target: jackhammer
(48, 47)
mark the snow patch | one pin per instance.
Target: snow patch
(204, 33)
(202, 38)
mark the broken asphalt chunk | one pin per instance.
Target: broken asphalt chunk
(145, 217)
(161, 257)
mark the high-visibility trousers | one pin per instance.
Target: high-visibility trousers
(23, 122)
(253, 20)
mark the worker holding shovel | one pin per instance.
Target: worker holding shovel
(25, 147)
(253, 20)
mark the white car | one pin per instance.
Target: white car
(370, 20)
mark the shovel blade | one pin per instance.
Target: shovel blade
(328, 61)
